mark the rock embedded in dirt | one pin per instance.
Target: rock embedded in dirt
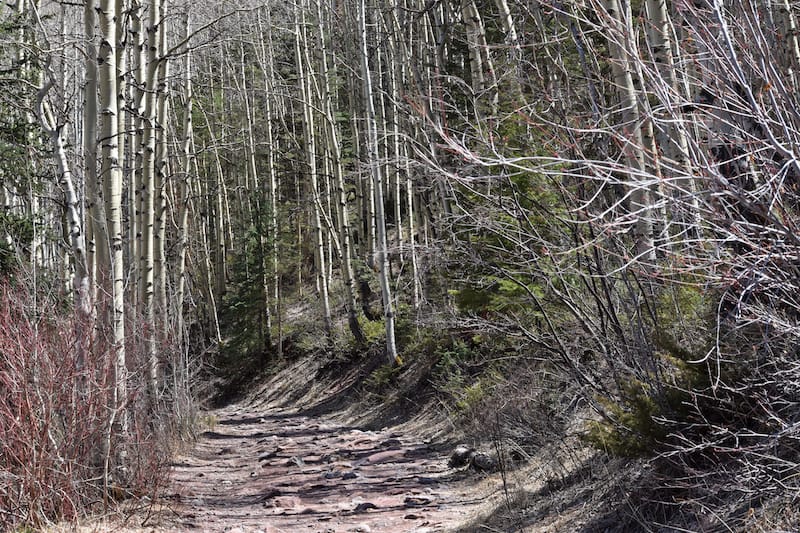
(464, 455)
(413, 501)
(461, 456)
(388, 456)
(364, 507)
(483, 462)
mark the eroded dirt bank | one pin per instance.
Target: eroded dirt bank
(279, 471)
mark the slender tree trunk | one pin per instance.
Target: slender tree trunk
(377, 184)
(304, 67)
(184, 191)
(111, 173)
(148, 188)
(160, 200)
(333, 144)
(622, 48)
(267, 56)
(97, 236)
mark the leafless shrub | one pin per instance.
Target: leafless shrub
(56, 416)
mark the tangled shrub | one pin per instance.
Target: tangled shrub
(59, 434)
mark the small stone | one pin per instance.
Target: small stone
(332, 475)
(364, 507)
(483, 462)
(361, 528)
(412, 501)
(349, 475)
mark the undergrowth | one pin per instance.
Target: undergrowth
(68, 447)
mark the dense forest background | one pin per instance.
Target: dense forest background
(544, 209)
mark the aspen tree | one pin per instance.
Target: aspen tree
(399, 76)
(377, 188)
(304, 68)
(111, 173)
(96, 234)
(160, 171)
(622, 45)
(266, 59)
(481, 66)
(139, 57)
(255, 185)
(148, 188)
(675, 145)
(81, 279)
(184, 187)
(332, 144)
(791, 42)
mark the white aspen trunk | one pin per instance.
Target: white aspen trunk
(135, 142)
(72, 207)
(112, 173)
(267, 58)
(395, 75)
(220, 250)
(508, 25)
(431, 85)
(631, 135)
(160, 171)
(791, 44)
(253, 172)
(121, 66)
(377, 181)
(304, 68)
(207, 267)
(341, 196)
(404, 152)
(148, 170)
(97, 237)
(676, 145)
(481, 67)
(184, 191)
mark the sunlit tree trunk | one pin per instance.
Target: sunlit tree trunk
(266, 58)
(377, 187)
(333, 145)
(160, 200)
(96, 236)
(481, 65)
(184, 191)
(305, 68)
(139, 60)
(148, 188)
(111, 173)
(623, 47)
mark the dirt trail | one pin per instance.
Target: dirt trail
(277, 471)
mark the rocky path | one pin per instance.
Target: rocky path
(277, 471)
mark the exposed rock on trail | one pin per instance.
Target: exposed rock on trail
(278, 471)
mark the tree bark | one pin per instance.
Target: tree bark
(377, 188)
